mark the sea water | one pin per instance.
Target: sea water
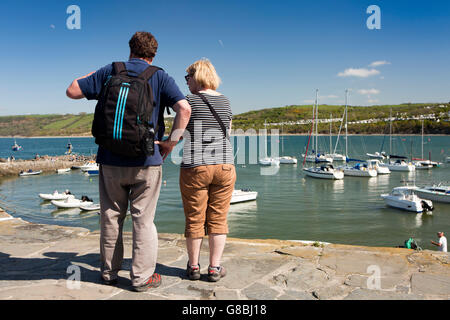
(289, 206)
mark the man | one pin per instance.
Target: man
(442, 244)
(136, 180)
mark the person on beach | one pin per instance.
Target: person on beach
(134, 180)
(207, 174)
(442, 244)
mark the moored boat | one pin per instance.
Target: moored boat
(29, 173)
(438, 193)
(405, 198)
(243, 195)
(55, 195)
(325, 171)
(71, 202)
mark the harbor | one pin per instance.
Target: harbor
(289, 205)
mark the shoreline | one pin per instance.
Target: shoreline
(239, 135)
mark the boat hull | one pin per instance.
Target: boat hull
(336, 175)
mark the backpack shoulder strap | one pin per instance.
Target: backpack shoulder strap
(149, 72)
(119, 67)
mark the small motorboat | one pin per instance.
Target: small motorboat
(288, 160)
(375, 163)
(90, 207)
(64, 170)
(243, 195)
(55, 195)
(438, 193)
(422, 165)
(92, 172)
(29, 173)
(16, 147)
(71, 202)
(326, 171)
(269, 162)
(405, 198)
(399, 165)
(91, 165)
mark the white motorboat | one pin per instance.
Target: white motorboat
(269, 161)
(325, 171)
(29, 173)
(377, 155)
(64, 170)
(438, 193)
(90, 207)
(89, 166)
(421, 165)
(447, 159)
(243, 195)
(359, 170)
(70, 202)
(405, 198)
(288, 160)
(54, 196)
(376, 164)
(399, 165)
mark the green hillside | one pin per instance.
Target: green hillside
(282, 118)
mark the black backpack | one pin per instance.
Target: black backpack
(123, 113)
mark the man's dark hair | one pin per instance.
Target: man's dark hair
(143, 45)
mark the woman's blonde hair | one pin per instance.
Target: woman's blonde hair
(204, 74)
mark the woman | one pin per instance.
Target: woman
(207, 173)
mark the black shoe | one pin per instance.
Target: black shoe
(109, 282)
(153, 282)
(193, 272)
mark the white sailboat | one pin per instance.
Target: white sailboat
(333, 155)
(243, 195)
(325, 171)
(399, 163)
(316, 156)
(360, 169)
(268, 161)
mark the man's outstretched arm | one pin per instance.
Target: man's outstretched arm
(74, 90)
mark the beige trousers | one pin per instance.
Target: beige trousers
(138, 186)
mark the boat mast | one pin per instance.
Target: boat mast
(331, 119)
(317, 119)
(390, 132)
(422, 139)
(346, 122)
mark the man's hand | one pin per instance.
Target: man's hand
(166, 147)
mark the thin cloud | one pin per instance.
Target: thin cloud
(379, 63)
(360, 73)
(368, 91)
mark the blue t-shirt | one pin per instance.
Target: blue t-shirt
(165, 93)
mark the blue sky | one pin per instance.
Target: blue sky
(268, 54)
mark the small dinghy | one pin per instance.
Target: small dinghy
(90, 207)
(55, 195)
(243, 195)
(71, 202)
(29, 173)
(63, 170)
